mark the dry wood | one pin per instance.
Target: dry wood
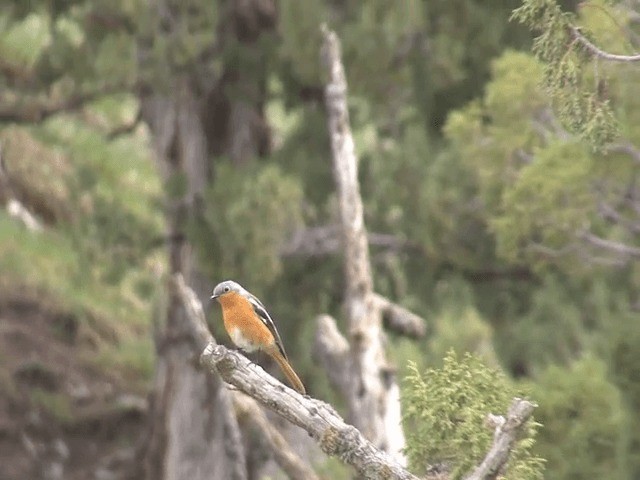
(369, 384)
(504, 440)
(400, 319)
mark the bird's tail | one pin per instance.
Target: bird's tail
(284, 365)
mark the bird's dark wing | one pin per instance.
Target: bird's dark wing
(266, 319)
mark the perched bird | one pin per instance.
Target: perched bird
(251, 328)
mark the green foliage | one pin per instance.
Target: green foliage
(113, 189)
(131, 359)
(583, 418)
(457, 325)
(525, 342)
(490, 134)
(546, 210)
(623, 361)
(509, 142)
(583, 108)
(23, 42)
(94, 260)
(300, 47)
(250, 217)
(55, 404)
(445, 414)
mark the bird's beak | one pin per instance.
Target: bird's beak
(213, 297)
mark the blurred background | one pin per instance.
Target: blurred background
(141, 138)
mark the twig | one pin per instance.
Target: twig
(505, 437)
(627, 148)
(325, 240)
(197, 322)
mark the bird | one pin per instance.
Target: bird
(250, 327)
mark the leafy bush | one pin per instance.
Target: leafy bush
(583, 418)
(445, 415)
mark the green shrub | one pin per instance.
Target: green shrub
(445, 414)
(583, 418)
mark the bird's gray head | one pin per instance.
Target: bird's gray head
(226, 287)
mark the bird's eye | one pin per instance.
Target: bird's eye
(226, 289)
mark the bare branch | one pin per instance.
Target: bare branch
(195, 327)
(18, 211)
(248, 411)
(332, 349)
(505, 437)
(617, 248)
(319, 419)
(325, 240)
(594, 50)
(399, 319)
(312, 242)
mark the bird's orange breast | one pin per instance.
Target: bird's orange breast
(243, 324)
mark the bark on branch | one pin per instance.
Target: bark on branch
(319, 419)
(504, 440)
(620, 249)
(399, 319)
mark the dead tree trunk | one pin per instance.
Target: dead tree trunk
(194, 433)
(369, 386)
(196, 115)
